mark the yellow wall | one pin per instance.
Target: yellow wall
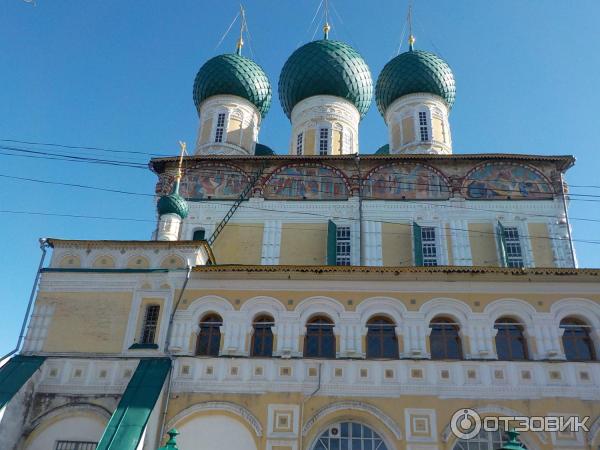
(336, 142)
(138, 262)
(303, 243)
(248, 137)
(234, 131)
(540, 245)
(239, 244)
(69, 262)
(483, 244)
(309, 142)
(103, 262)
(396, 244)
(395, 135)
(449, 245)
(408, 131)
(206, 129)
(87, 322)
(437, 127)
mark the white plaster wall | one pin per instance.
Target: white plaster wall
(80, 428)
(215, 432)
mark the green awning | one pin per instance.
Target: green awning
(127, 423)
(15, 373)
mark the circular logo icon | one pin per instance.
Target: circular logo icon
(465, 423)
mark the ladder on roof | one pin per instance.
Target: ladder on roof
(243, 196)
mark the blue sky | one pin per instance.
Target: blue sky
(118, 74)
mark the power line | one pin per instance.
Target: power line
(102, 149)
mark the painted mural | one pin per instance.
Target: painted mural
(406, 181)
(306, 182)
(504, 181)
(211, 182)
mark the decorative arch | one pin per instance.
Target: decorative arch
(506, 180)
(208, 304)
(580, 308)
(511, 307)
(104, 262)
(456, 309)
(319, 306)
(68, 410)
(410, 181)
(173, 261)
(337, 407)
(255, 306)
(138, 262)
(249, 419)
(210, 181)
(306, 181)
(381, 306)
(69, 260)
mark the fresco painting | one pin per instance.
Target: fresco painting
(406, 181)
(216, 182)
(306, 182)
(502, 181)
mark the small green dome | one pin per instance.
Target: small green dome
(412, 72)
(325, 67)
(263, 150)
(233, 74)
(173, 203)
(383, 150)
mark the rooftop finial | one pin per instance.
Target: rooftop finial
(326, 27)
(243, 26)
(179, 168)
(411, 36)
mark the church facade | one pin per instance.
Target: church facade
(321, 299)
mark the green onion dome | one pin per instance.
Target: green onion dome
(325, 67)
(233, 74)
(173, 203)
(383, 150)
(263, 150)
(412, 72)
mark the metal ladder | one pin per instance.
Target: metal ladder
(243, 196)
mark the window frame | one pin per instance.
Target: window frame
(263, 323)
(209, 326)
(323, 139)
(423, 126)
(220, 131)
(343, 241)
(319, 328)
(445, 324)
(585, 338)
(148, 332)
(77, 445)
(504, 325)
(384, 335)
(300, 143)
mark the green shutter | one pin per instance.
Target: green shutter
(127, 423)
(501, 244)
(15, 373)
(331, 243)
(417, 244)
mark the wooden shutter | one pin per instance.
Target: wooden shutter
(417, 244)
(331, 243)
(501, 244)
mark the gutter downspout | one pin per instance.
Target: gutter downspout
(43, 246)
(168, 352)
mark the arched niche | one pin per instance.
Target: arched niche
(306, 182)
(406, 181)
(209, 182)
(506, 181)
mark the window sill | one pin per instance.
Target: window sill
(138, 346)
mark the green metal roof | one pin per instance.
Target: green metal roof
(173, 203)
(383, 150)
(15, 373)
(233, 74)
(412, 72)
(127, 423)
(263, 150)
(325, 67)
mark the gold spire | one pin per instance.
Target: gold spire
(411, 36)
(326, 29)
(179, 169)
(243, 27)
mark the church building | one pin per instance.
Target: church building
(321, 297)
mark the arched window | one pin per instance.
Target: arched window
(209, 338)
(444, 340)
(510, 341)
(262, 338)
(320, 340)
(349, 436)
(199, 234)
(150, 324)
(381, 338)
(576, 339)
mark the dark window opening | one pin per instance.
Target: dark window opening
(209, 338)
(382, 341)
(510, 341)
(320, 340)
(262, 338)
(577, 343)
(444, 339)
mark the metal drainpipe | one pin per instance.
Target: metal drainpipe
(168, 352)
(360, 215)
(43, 246)
(564, 201)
